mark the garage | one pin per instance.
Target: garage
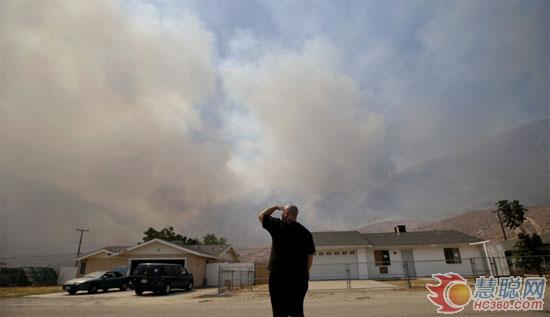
(334, 265)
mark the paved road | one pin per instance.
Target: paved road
(205, 303)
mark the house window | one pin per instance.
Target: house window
(337, 253)
(382, 257)
(383, 270)
(344, 253)
(351, 252)
(321, 253)
(82, 267)
(452, 256)
(329, 253)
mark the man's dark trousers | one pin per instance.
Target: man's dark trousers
(287, 293)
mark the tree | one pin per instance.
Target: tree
(168, 234)
(210, 239)
(512, 213)
(528, 250)
(528, 247)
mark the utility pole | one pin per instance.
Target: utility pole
(79, 244)
(501, 225)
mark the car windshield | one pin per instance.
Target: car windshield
(97, 274)
(148, 270)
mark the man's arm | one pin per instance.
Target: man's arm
(268, 212)
(309, 262)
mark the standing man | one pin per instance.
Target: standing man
(290, 260)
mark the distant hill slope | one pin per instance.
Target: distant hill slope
(482, 224)
(512, 165)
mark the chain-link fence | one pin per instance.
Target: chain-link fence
(235, 277)
(350, 275)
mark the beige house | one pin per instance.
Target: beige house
(125, 258)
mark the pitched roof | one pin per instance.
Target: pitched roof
(419, 237)
(213, 250)
(333, 238)
(117, 248)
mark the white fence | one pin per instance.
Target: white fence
(233, 273)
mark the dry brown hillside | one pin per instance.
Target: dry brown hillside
(484, 223)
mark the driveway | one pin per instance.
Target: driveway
(204, 302)
(342, 285)
(118, 295)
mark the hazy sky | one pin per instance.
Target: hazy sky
(175, 112)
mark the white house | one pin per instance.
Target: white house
(342, 254)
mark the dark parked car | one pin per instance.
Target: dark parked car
(161, 278)
(94, 281)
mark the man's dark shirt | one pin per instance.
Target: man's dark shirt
(292, 243)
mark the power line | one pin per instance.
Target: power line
(51, 246)
(37, 256)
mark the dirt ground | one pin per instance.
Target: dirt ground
(205, 302)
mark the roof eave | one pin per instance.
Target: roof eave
(344, 246)
(420, 244)
(174, 246)
(85, 256)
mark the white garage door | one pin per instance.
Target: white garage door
(334, 267)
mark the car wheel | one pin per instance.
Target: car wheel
(124, 287)
(92, 289)
(190, 286)
(167, 289)
(138, 292)
(71, 292)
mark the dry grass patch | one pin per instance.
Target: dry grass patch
(7, 292)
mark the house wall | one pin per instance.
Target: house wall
(430, 260)
(104, 264)
(395, 269)
(427, 260)
(193, 263)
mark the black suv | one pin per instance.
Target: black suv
(161, 278)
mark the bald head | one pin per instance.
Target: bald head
(290, 212)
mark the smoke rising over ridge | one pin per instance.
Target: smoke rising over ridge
(189, 115)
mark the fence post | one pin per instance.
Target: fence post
(472, 263)
(232, 279)
(407, 276)
(348, 277)
(219, 279)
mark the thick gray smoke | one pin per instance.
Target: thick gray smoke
(106, 104)
(117, 116)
